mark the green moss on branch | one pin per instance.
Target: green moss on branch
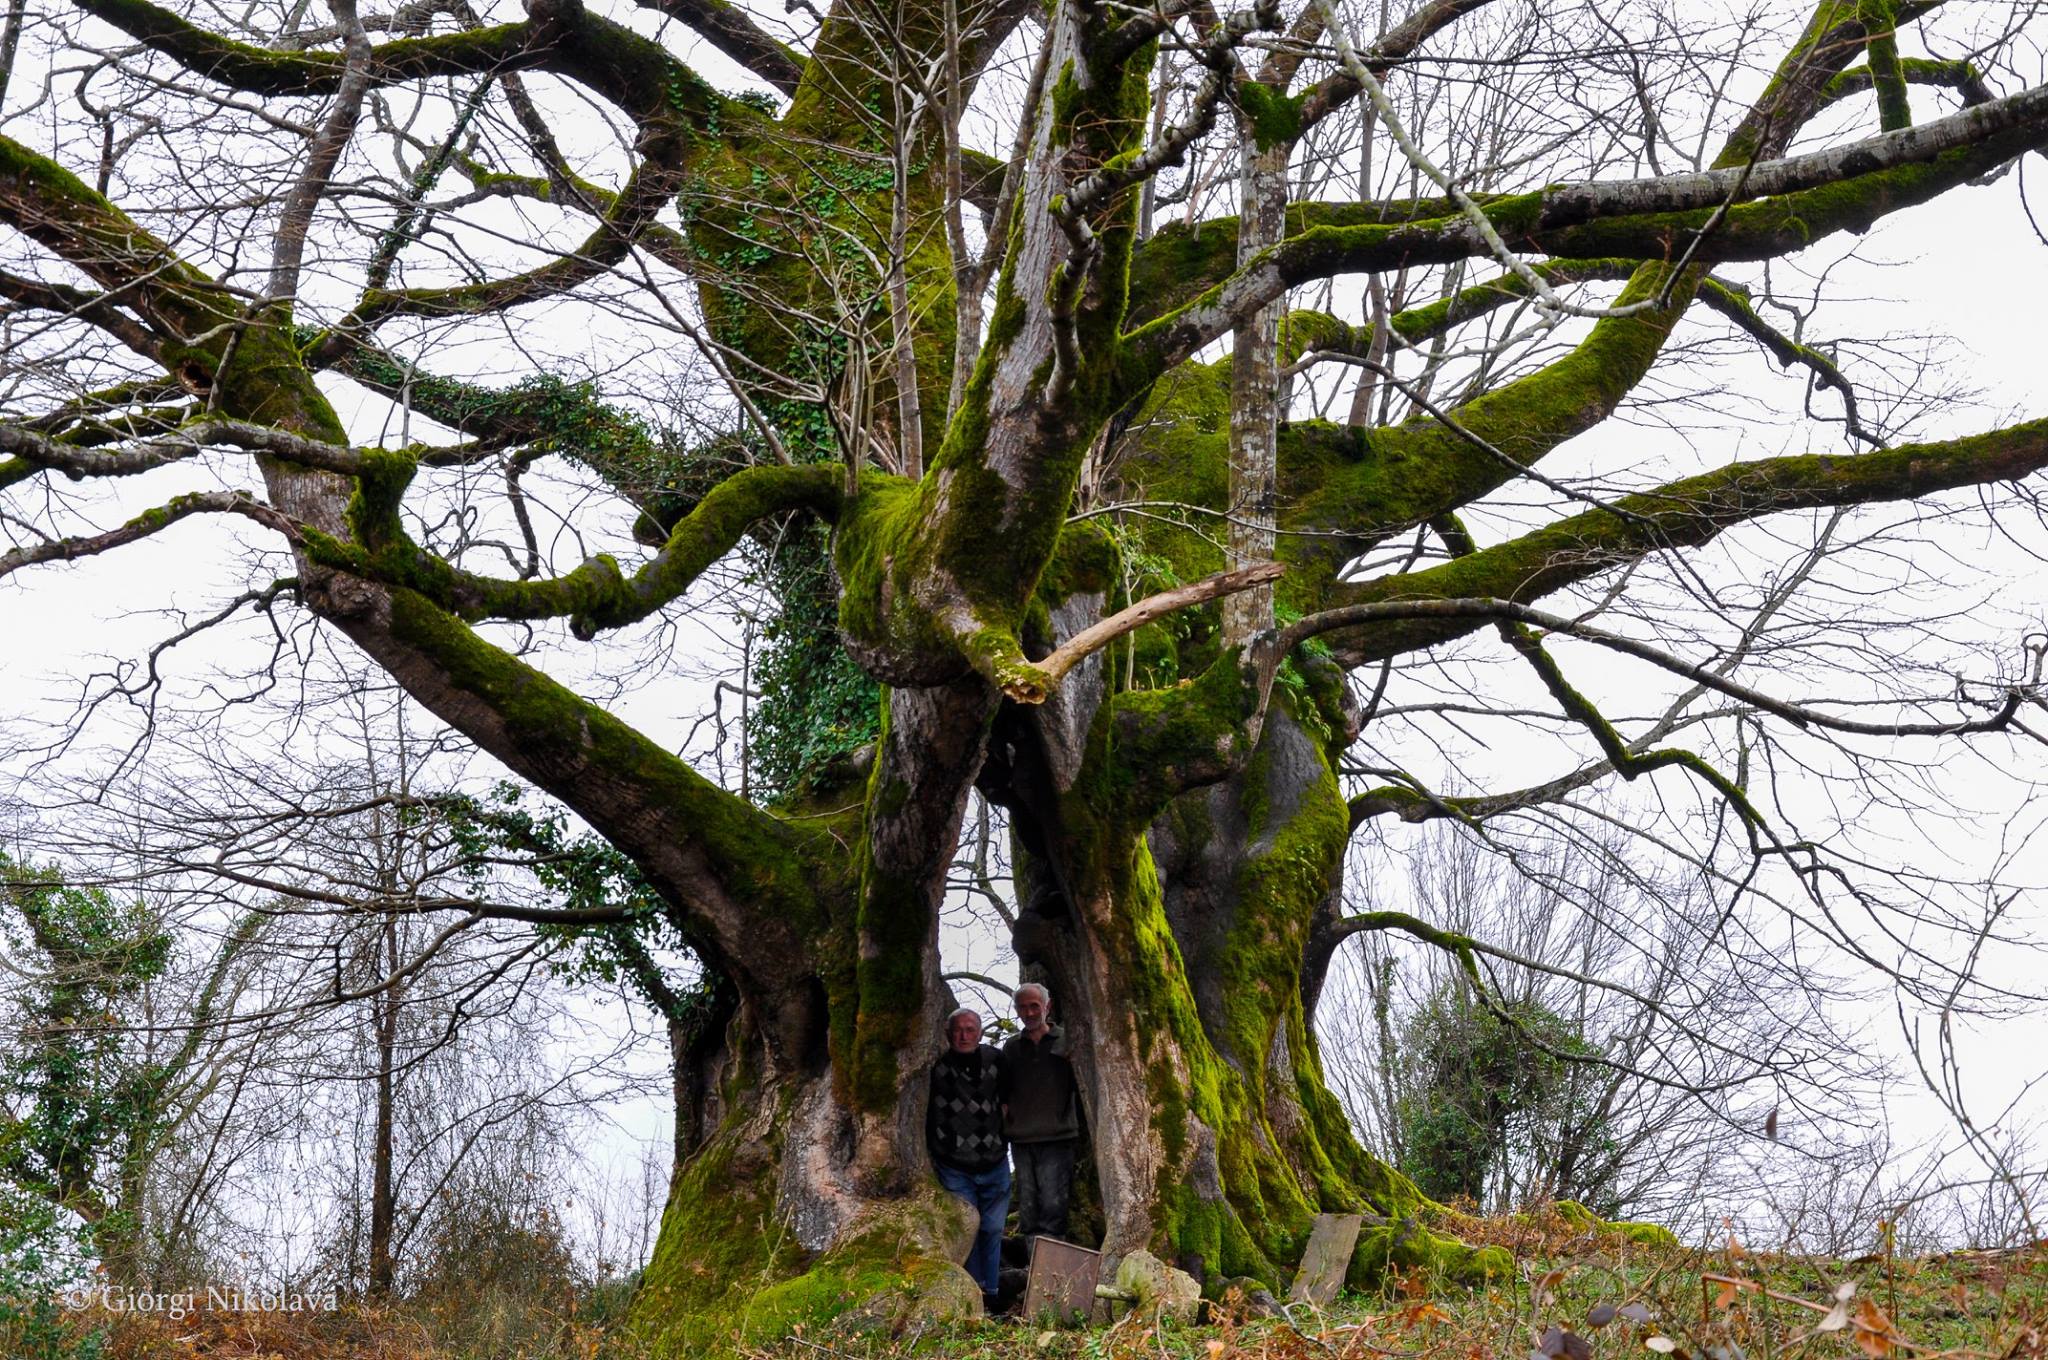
(596, 595)
(1686, 513)
(1881, 45)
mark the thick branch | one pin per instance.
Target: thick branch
(544, 414)
(1313, 335)
(1680, 514)
(1798, 200)
(559, 36)
(756, 885)
(147, 454)
(596, 595)
(1881, 48)
(59, 211)
(1632, 764)
(1339, 88)
(265, 70)
(141, 527)
(645, 194)
(1414, 805)
(295, 217)
(1960, 76)
(94, 308)
(726, 27)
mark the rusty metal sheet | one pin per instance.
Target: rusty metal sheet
(1062, 1284)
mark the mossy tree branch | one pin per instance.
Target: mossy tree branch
(95, 308)
(596, 596)
(149, 522)
(728, 28)
(1628, 763)
(1881, 47)
(1340, 87)
(560, 37)
(649, 189)
(265, 70)
(1411, 803)
(59, 211)
(1181, 261)
(1961, 76)
(671, 105)
(1682, 514)
(1414, 465)
(544, 416)
(1308, 336)
(2001, 711)
(1794, 201)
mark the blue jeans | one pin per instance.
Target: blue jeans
(989, 1194)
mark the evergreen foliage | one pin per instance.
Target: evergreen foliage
(813, 705)
(1489, 1097)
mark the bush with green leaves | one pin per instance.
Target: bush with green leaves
(81, 1096)
(1490, 1097)
(45, 1253)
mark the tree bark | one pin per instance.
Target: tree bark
(1257, 403)
(384, 1008)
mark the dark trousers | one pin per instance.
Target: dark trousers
(1045, 1182)
(989, 1194)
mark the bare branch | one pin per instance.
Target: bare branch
(2009, 696)
(1094, 638)
(140, 527)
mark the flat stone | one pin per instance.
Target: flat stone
(1327, 1260)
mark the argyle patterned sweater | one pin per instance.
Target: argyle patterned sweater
(963, 1120)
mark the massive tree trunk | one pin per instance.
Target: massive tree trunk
(1174, 950)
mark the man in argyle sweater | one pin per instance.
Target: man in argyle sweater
(963, 1128)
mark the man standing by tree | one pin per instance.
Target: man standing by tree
(963, 1124)
(1041, 1116)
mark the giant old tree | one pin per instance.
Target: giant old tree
(1119, 585)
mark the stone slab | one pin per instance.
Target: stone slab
(1327, 1260)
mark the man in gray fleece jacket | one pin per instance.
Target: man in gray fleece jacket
(1041, 1116)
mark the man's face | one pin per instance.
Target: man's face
(1031, 1010)
(964, 1033)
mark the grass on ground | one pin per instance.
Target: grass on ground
(1576, 1295)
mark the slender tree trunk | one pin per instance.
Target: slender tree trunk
(1256, 399)
(383, 1195)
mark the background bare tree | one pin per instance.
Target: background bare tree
(397, 1052)
(1638, 1047)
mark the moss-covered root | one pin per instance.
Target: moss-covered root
(1645, 1234)
(728, 1276)
(896, 1266)
(1397, 1246)
(1402, 1239)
